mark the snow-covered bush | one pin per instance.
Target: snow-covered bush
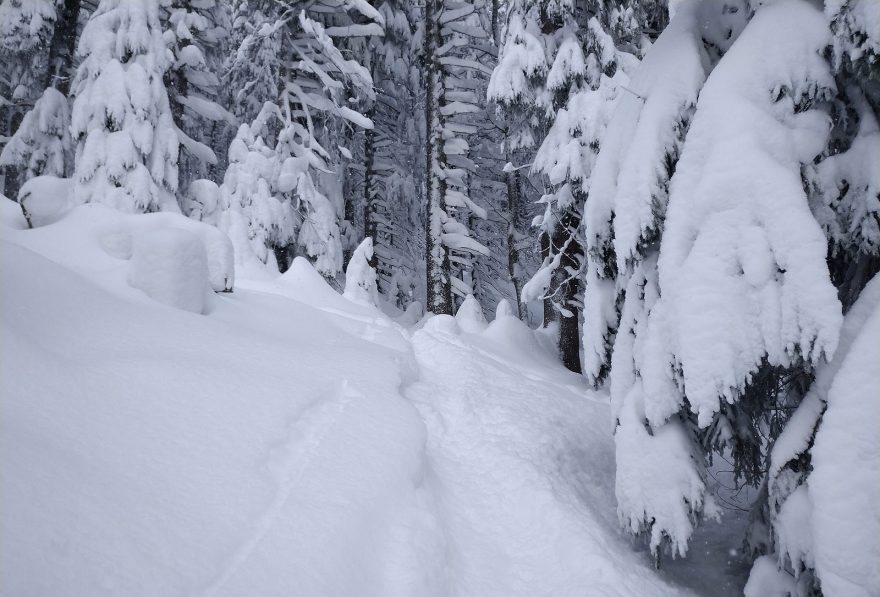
(45, 199)
(126, 142)
(360, 276)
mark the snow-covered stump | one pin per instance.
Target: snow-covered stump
(504, 309)
(360, 276)
(171, 266)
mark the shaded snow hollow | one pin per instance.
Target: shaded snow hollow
(287, 442)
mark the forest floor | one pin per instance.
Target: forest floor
(292, 442)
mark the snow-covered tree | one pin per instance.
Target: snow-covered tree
(451, 38)
(821, 490)
(26, 28)
(741, 300)
(588, 51)
(126, 142)
(288, 58)
(41, 144)
(194, 32)
(252, 210)
(390, 157)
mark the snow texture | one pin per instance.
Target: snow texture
(45, 199)
(742, 260)
(288, 441)
(171, 266)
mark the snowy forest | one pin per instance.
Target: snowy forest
(440, 297)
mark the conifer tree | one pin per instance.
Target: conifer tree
(450, 30)
(126, 143)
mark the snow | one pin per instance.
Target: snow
(286, 441)
(45, 199)
(171, 266)
(470, 315)
(846, 465)
(360, 276)
(742, 260)
(766, 580)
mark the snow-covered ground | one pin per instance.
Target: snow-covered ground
(286, 442)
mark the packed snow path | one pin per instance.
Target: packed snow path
(287, 442)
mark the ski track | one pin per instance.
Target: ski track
(288, 462)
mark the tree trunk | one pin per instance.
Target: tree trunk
(439, 288)
(370, 228)
(568, 291)
(62, 48)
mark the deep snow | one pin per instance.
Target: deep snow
(286, 442)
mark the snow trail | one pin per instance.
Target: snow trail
(522, 468)
(288, 442)
(288, 462)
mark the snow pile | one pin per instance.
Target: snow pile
(360, 276)
(470, 315)
(826, 517)
(45, 199)
(843, 487)
(171, 266)
(288, 441)
(107, 246)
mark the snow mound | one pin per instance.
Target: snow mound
(470, 315)
(45, 199)
(503, 309)
(171, 266)
(11, 215)
(360, 277)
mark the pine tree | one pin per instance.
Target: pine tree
(382, 192)
(451, 30)
(288, 60)
(26, 28)
(585, 72)
(684, 385)
(195, 32)
(807, 473)
(126, 143)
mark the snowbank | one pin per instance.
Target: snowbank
(288, 441)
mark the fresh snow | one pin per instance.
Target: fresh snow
(286, 441)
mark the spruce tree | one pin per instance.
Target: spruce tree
(126, 142)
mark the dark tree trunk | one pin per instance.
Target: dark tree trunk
(62, 48)
(370, 227)
(439, 285)
(565, 288)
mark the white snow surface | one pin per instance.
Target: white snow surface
(287, 441)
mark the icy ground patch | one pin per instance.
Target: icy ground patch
(286, 442)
